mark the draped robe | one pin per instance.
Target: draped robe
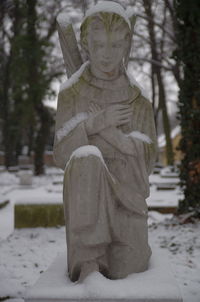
(106, 176)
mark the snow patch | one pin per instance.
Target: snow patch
(27, 247)
(108, 7)
(141, 136)
(7, 178)
(130, 11)
(85, 151)
(156, 217)
(70, 125)
(136, 287)
(41, 195)
(75, 77)
(63, 19)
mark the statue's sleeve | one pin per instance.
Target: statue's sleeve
(141, 142)
(148, 127)
(70, 131)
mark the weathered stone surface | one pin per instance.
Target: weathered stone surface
(155, 285)
(105, 142)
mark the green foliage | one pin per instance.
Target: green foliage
(188, 52)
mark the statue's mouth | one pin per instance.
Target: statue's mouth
(105, 63)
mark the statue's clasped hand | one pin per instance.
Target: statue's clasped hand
(117, 115)
(113, 116)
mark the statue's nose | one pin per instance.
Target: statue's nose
(107, 52)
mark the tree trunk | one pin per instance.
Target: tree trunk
(161, 88)
(188, 52)
(10, 126)
(41, 139)
(165, 117)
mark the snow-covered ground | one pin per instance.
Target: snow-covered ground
(48, 189)
(26, 253)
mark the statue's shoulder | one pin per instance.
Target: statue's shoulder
(140, 96)
(72, 86)
(145, 102)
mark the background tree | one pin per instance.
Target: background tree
(32, 61)
(156, 70)
(29, 67)
(154, 43)
(38, 84)
(11, 80)
(188, 53)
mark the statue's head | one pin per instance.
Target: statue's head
(106, 37)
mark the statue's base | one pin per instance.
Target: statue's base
(155, 285)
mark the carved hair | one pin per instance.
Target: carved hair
(111, 22)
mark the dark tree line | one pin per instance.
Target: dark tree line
(32, 50)
(188, 53)
(26, 74)
(28, 67)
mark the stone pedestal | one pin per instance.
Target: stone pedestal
(155, 285)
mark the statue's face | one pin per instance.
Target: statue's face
(106, 49)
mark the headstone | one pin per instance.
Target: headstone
(26, 177)
(166, 186)
(13, 169)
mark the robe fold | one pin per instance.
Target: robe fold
(104, 191)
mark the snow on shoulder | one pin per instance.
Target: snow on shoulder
(108, 7)
(75, 77)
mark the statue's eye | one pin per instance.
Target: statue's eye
(116, 45)
(99, 45)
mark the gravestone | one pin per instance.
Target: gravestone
(26, 177)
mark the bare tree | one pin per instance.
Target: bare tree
(154, 43)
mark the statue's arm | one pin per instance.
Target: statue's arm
(119, 140)
(70, 131)
(141, 143)
(114, 115)
(148, 127)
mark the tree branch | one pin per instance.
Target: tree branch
(151, 61)
(158, 25)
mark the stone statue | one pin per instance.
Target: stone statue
(106, 144)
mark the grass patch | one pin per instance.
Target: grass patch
(39, 215)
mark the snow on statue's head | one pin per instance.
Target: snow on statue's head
(106, 36)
